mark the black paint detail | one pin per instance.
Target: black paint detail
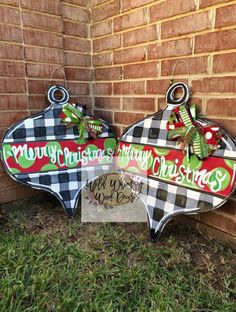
(161, 194)
(45, 180)
(65, 195)
(153, 133)
(60, 130)
(138, 131)
(202, 205)
(40, 131)
(180, 200)
(157, 214)
(19, 134)
(63, 178)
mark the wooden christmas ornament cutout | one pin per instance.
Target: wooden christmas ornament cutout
(188, 164)
(51, 150)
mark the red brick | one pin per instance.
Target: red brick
(6, 181)
(12, 69)
(102, 59)
(161, 104)
(78, 2)
(226, 16)
(223, 107)
(2, 132)
(127, 5)
(72, 59)
(139, 104)
(129, 87)
(105, 115)
(107, 102)
(10, 33)
(79, 74)
(98, 2)
(107, 43)
(75, 13)
(42, 21)
(11, 51)
(83, 100)
(112, 73)
(38, 86)
(130, 20)
(75, 29)
(186, 25)
(139, 36)
(130, 55)
(42, 5)
(46, 55)
(102, 89)
(77, 44)
(215, 41)
(10, 2)
(168, 9)
(17, 192)
(12, 85)
(197, 102)
(78, 89)
(38, 102)
(42, 71)
(222, 221)
(215, 85)
(224, 63)
(101, 29)
(10, 15)
(9, 118)
(228, 124)
(205, 3)
(170, 48)
(105, 10)
(196, 65)
(117, 130)
(127, 119)
(13, 102)
(159, 86)
(143, 70)
(41, 38)
(193, 100)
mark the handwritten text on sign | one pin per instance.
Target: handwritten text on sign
(45, 156)
(215, 175)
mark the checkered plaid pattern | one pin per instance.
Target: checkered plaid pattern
(46, 126)
(164, 200)
(66, 185)
(152, 131)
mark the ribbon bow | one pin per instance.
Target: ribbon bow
(192, 137)
(73, 115)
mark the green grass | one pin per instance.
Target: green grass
(49, 262)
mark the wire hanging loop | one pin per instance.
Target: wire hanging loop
(187, 69)
(64, 76)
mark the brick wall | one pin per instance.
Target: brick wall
(135, 45)
(36, 36)
(118, 56)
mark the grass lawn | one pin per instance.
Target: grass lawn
(49, 262)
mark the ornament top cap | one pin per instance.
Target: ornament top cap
(59, 90)
(170, 94)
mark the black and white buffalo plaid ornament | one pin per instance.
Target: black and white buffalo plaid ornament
(59, 149)
(188, 164)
